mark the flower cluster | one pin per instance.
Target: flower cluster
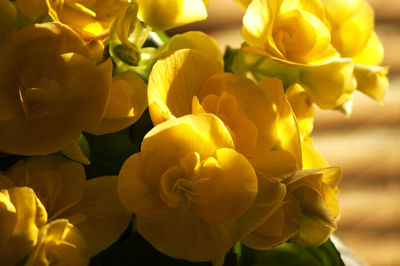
(223, 154)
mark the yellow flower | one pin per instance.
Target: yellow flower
(91, 19)
(194, 196)
(353, 36)
(352, 30)
(127, 102)
(165, 14)
(61, 243)
(289, 30)
(258, 117)
(308, 215)
(50, 91)
(91, 206)
(22, 215)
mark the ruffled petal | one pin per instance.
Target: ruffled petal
(99, 215)
(58, 182)
(174, 81)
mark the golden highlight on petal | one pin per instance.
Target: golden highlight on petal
(184, 71)
(58, 182)
(91, 19)
(166, 14)
(59, 242)
(22, 215)
(127, 102)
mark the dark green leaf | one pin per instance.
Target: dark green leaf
(291, 254)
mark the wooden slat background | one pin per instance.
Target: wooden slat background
(366, 146)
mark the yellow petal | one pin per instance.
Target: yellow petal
(58, 182)
(288, 137)
(99, 215)
(311, 157)
(236, 189)
(245, 110)
(302, 108)
(135, 192)
(60, 242)
(274, 163)
(313, 205)
(329, 85)
(22, 216)
(174, 81)
(329, 196)
(8, 15)
(126, 25)
(372, 81)
(258, 23)
(283, 223)
(330, 175)
(32, 8)
(91, 19)
(128, 100)
(162, 14)
(260, 216)
(372, 54)
(312, 232)
(75, 153)
(196, 40)
(352, 25)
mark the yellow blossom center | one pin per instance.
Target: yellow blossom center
(294, 33)
(191, 181)
(37, 97)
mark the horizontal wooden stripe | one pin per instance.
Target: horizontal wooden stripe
(374, 248)
(373, 208)
(387, 10)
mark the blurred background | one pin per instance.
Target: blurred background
(366, 145)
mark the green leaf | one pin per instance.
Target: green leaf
(291, 254)
(109, 152)
(136, 251)
(229, 56)
(257, 67)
